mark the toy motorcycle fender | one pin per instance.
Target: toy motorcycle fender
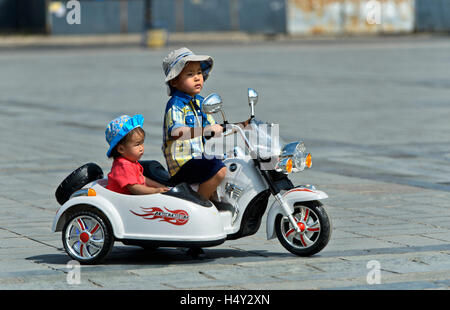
(292, 197)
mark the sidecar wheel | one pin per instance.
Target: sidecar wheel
(87, 237)
(315, 229)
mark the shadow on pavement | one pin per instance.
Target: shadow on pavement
(131, 255)
(393, 250)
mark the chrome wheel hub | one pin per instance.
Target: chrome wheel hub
(84, 237)
(308, 228)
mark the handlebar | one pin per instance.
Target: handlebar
(209, 136)
(234, 128)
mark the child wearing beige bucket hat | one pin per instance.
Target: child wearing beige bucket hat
(185, 123)
(175, 62)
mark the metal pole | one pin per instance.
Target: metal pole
(123, 16)
(148, 15)
(179, 15)
(234, 15)
(48, 18)
(152, 37)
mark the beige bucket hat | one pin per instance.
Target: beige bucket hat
(175, 62)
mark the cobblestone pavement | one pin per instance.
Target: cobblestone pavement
(373, 112)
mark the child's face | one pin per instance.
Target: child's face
(133, 149)
(190, 80)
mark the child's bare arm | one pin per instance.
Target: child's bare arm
(139, 189)
(152, 183)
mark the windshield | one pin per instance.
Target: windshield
(265, 138)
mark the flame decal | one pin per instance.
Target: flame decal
(175, 217)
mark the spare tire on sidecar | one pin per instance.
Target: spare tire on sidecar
(76, 180)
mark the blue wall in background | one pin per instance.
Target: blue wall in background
(433, 15)
(104, 16)
(110, 16)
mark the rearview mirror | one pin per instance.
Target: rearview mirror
(252, 96)
(252, 100)
(212, 104)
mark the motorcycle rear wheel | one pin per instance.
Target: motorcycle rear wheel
(315, 229)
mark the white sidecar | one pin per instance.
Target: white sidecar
(94, 217)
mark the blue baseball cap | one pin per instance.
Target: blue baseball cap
(119, 127)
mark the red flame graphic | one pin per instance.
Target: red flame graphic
(175, 217)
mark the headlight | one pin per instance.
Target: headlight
(293, 155)
(284, 165)
(308, 160)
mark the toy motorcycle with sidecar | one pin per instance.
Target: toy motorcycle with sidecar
(91, 217)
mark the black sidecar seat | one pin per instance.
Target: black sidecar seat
(155, 171)
(185, 191)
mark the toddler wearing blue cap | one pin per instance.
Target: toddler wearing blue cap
(125, 137)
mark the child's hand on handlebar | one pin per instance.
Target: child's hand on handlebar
(213, 131)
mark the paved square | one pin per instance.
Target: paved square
(374, 112)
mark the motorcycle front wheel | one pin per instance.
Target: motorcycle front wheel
(314, 225)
